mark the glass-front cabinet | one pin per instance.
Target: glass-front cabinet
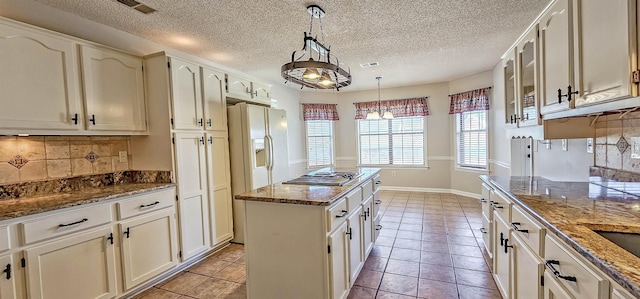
(511, 106)
(527, 85)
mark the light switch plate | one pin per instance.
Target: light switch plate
(590, 145)
(564, 145)
(635, 147)
(122, 156)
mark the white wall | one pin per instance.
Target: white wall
(499, 145)
(559, 165)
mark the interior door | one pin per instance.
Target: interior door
(279, 146)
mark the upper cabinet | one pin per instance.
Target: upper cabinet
(509, 69)
(46, 79)
(214, 103)
(261, 93)
(528, 80)
(245, 90)
(39, 82)
(113, 90)
(186, 97)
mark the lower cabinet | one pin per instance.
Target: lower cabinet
(367, 226)
(356, 257)
(148, 246)
(552, 289)
(501, 256)
(7, 277)
(82, 266)
(527, 269)
(338, 258)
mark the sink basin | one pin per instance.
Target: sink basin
(628, 241)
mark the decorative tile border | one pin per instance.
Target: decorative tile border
(18, 161)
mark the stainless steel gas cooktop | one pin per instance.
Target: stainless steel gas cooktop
(324, 178)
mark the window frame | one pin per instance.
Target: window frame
(396, 166)
(333, 144)
(457, 131)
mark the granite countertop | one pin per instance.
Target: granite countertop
(308, 194)
(29, 198)
(572, 210)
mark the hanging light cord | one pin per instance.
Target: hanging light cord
(379, 109)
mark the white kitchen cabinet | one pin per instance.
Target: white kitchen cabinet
(191, 177)
(186, 95)
(81, 266)
(354, 230)
(338, 259)
(527, 80)
(219, 186)
(148, 246)
(261, 93)
(509, 71)
(605, 50)
(39, 73)
(556, 56)
(214, 101)
(501, 256)
(367, 226)
(487, 219)
(7, 277)
(113, 90)
(238, 88)
(527, 270)
(552, 289)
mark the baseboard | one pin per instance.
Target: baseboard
(432, 190)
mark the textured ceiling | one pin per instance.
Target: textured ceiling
(415, 42)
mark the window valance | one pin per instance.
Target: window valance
(320, 112)
(399, 108)
(469, 101)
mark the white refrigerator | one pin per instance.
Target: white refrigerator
(259, 153)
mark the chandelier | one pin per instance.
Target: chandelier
(323, 72)
(376, 114)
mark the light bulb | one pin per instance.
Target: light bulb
(325, 79)
(373, 115)
(311, 74)
(387, 115)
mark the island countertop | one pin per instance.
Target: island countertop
(309, 194)
(572, 210)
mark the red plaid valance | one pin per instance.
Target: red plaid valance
(399, 108)
(469, 101)
(320, 112)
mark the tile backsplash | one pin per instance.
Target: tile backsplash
(613, 141)
(24, 159)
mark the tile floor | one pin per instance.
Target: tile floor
(430, 247)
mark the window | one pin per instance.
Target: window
(319, 142)
(398, 141)
(471, 138)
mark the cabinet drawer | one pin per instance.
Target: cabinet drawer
(145, 203)
(367, 189)
(65, 223)
(376, 203)
(354, 199)
(528, 230)
(5, 243)
(487, 234)
(588, 284)
(502, 205)
(376, 183)
(337, 214)
(377, 227)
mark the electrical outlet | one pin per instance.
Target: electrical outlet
(635, 147)
(393, 173)
(565, 145)
(122, 156)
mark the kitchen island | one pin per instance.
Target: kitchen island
(307, 241)
(561, 224)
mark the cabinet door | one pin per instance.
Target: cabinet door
(354, 231)
(367, 226)
(215, 104)
(501, 258)
(527, 270)
(552, 289)
(186, 95)
(528, 79)
(556, 54)
(82, 266)
(238, 88)
(7, 277)
(113, 90)
(219, 188)
(148, 246)
(605, 50)
(261, 93)
(339, 262)
(511, 105)
(192, 191)
(38, 72)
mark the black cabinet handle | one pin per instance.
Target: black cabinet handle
(482, 230)
(93, 119)
(498, 207)
(501, 239)
(344, 213)
(568, 95)
(127, 233)
(483, 200)
(200, 122)
(202, 140)
(73, 223)
(209, 122)
(110, 238)
(149, 205)
(506, 241)
(378, 227)
(378, 182)
(557, 273)
(349, 233)
(210, 140)
(516, 228)
(75, 118)
(377, 201)
(7, 271)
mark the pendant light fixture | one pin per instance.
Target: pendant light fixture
(376, 114)
(325, 71)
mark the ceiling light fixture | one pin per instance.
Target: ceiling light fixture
(324, 72)
(376, 114)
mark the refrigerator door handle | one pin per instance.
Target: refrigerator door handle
(271, 155)
(267, 147)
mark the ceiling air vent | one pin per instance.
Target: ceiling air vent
(137, 6)
(369, 64)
